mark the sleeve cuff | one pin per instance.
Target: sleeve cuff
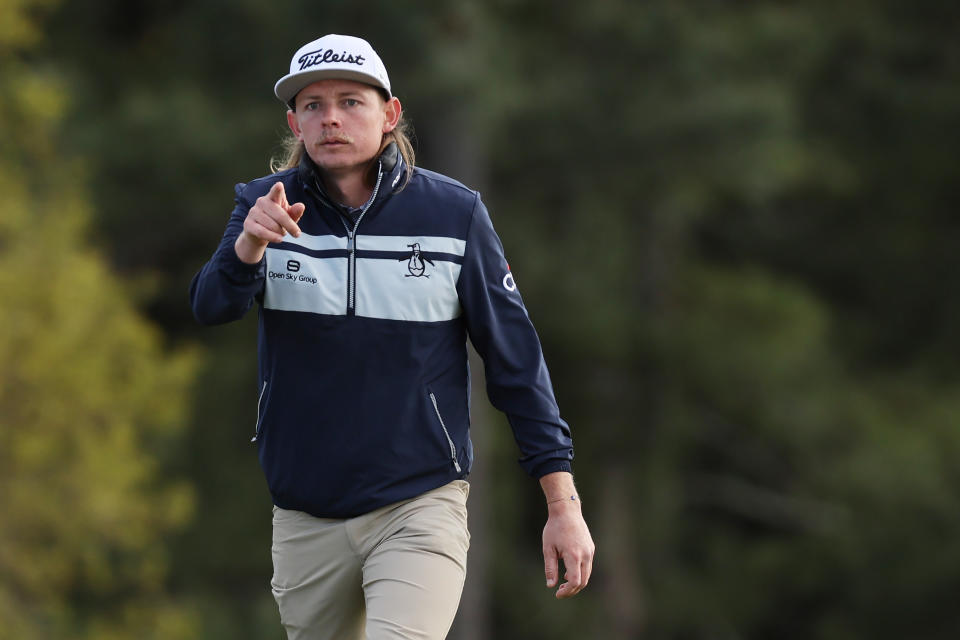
(552, 466)
(238, 270)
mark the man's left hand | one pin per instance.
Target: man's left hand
(566, 537)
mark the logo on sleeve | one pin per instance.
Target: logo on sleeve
(415, 263)
(508, 282)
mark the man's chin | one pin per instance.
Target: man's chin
(330, 162)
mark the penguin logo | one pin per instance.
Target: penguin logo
(415, 262)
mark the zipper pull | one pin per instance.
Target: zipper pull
(350, 241)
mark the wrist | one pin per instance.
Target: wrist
(248, 249)
(558, 488)
(563, 504)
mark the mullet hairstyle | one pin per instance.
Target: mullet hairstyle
(293, 149)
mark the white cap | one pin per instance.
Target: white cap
(332, 56)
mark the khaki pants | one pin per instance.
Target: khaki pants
(396, 572)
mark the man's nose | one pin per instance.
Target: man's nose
(330, 115)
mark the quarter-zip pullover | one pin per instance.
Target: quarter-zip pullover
(364, 393)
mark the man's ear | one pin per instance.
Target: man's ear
(294, 124)
(392, 110)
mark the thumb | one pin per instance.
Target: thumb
(295, 211)
(550, 565)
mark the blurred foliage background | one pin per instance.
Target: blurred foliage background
(734, 225)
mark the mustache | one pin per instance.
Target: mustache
(333, 137)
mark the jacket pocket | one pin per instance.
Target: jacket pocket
(256, 428)
(453, 448)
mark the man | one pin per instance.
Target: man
(370, 274)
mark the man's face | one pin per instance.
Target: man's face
(341, 123)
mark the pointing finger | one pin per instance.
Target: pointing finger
(278, 194)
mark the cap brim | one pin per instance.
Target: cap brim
(290, 85)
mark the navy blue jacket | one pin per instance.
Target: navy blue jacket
(364, 392)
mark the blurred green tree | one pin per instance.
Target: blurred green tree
(90, 396)
(742, 325)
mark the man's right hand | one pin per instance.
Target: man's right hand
(269, 219)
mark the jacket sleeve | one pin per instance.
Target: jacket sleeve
(225, 288)
(500, 328)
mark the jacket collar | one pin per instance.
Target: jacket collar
(392, 168)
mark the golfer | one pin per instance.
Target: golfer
(370, 274)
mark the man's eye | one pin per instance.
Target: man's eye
(312, 106)
(350, 102)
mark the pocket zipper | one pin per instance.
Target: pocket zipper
(256, 428)
(453, 449)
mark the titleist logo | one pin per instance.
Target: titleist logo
(313, 58)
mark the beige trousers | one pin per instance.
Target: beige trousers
(396, 572)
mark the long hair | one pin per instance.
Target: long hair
(294, 149)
